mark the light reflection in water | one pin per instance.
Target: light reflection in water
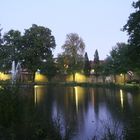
(38, 94)
(81, 109)
(79, 94)
(93, 98)
(35, 94)
(76, 97)
(121, 97)
(130, 99)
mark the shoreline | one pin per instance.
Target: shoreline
(81, 84)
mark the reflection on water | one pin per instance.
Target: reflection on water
(79, 96)
(130, 99)
(83, 113)
(73, 113)
(121, 97)
(76, 97)
(38, 94)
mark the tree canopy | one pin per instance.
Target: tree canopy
(96, 62)
(120, 58)
(33, 49)
(38, 45)
(87, 65)
(10, 48)
(132, 27)
(74, 47)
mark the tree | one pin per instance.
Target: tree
(49, 68)
(132, 27)
(10, 49)
(74, 50)
(87, 66)
(96, 64)
(1, 50)
(0, 37)
(106, 67)
(38, 45)
(120, 59)
(63, 63)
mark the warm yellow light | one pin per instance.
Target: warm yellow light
(121, 74)
(38, 94)
(121, 97)
(76, 98)
(79, 96)
(40, 78)
(78, 78)
(4, 76)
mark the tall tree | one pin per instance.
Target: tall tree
(133, 29)
(96, 64)
(0, 37)
(87, 65)
(120, 59)
(11, 48)
(1, 51)
(38, 45)
(106, 67)
(74, 49)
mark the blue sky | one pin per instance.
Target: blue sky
(98, 22)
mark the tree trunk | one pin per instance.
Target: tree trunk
(73, 76)
(33, 77)
(124, 79)
(114, 78)
(96, 79)
(103, 78)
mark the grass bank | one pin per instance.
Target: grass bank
(82, 84)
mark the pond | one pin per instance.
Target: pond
(75, 113)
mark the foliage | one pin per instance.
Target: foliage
(49, 68)
(73, 52)
(96, 65)
(120, 59)
(73, 45)
(38, 45)
(132, 27)
(20, 118)
(87, 65)
(63, 63)
(10, 49)
(0, 37)
(33, 50)
(107, 67)
(96, 57)
(1, 49)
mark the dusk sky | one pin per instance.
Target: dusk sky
(98, 22)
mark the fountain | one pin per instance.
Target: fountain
(15, 71)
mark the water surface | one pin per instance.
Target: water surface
(76, 113)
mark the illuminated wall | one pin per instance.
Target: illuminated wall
(120, 78)
(78, 78)
(5, 76)
(40, 78)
